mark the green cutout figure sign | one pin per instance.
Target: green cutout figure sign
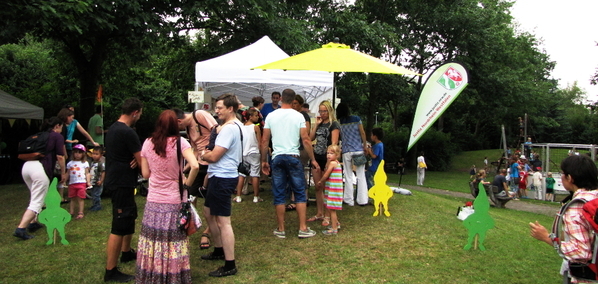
(480, 221)
(380, 192)
(54, 217)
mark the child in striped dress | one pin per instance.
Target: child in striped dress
(333, 194)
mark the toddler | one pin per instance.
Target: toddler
(333, 192)
(97, 177)
(78, 179)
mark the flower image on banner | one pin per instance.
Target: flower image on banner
(440, 90)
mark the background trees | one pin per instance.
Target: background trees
(60, 51)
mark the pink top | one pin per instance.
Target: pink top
(164, 172)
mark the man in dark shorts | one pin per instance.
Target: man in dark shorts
(222, 183)
(123, 155)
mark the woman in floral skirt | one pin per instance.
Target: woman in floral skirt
(163, 249)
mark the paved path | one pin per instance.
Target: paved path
(513, 204)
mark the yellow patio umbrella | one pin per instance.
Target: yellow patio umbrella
(336, 57)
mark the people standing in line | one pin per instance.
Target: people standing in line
(79, 179)
(376, 153)
(98, 174)
(123, 156)
(354, 144)
(163, 248)
(333, 180)
(223, 177)
(198, 125)
(96, 126)
(37, 175)
(270, 107)
(285, 127)
(421, 169)
(580, 178)
(251, 154)
(326, 133)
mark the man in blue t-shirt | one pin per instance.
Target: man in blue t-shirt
(270, 107)
(376, 152)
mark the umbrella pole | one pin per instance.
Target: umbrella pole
(334, 90)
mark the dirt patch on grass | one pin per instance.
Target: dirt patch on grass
(520, 205)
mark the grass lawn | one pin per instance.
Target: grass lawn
(422, 242)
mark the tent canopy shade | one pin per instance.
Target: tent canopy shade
(13, 107)
(231, 73)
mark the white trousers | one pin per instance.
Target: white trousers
(421, 174)
(38, 182)
(362, 189)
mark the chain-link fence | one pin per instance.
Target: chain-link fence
(547, 157)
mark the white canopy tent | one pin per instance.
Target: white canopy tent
(231, 73)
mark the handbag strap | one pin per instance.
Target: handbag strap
(180, 162)
(240, 131)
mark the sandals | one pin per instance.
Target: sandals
(79, 216)
(315, 218)
(205, 245)
(326, 221)
(330, 232)
(290, 207)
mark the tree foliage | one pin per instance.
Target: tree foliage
(139, 48)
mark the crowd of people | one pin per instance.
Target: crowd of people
(274, 139)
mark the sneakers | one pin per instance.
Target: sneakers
(330, 232)
(114, 275)
(306, 234)
(22, 234)
(237, 199)
(257, 199)
(127, 256)
(279, 234)
(211, 256)
(32, 227)
(220, 272)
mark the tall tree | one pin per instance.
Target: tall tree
(88, 31)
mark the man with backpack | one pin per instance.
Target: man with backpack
(580, 177)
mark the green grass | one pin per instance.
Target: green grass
(422, 242)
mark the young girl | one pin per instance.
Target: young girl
(333, 194)
(79, 178)
(251, 154)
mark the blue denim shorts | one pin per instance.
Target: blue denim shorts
(288, 170)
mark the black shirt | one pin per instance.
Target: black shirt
(121, 143)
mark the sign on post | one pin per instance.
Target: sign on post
(195, 96)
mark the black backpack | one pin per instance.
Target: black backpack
(34, 147)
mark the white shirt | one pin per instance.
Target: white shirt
(77, 171)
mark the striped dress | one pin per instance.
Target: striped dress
(333, 194)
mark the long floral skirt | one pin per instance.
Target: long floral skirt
(163, 249)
